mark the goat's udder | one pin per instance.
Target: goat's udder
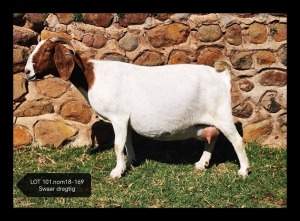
(209, 132)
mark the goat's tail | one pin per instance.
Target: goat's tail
(221, 66)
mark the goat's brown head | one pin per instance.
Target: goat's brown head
(51, 55)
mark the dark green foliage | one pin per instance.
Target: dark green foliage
(78, 17)
(120, 15)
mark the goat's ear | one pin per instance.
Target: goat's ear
(78, 62)
(63, 59)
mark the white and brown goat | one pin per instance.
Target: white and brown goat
(172, 102)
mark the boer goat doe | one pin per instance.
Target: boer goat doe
(172, 102)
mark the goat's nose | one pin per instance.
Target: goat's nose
(28, 75)
(26, 71)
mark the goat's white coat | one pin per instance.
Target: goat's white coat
(165, 102)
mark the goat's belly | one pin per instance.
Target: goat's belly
(166, 121)
(167, 133)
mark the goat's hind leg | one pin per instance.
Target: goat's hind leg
(206, 156)
(236, 140)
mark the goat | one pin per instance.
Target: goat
(171, 102)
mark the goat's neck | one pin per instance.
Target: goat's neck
(84, 93)
(78, 79)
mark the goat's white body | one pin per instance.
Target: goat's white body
(163, 102)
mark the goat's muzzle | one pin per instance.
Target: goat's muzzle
(31, 78)
(28, 77)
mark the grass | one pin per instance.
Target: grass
(163, 177)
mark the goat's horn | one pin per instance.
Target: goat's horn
(57, 39)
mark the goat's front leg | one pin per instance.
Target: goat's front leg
(120, 129)
(129, 149)
(205, 158)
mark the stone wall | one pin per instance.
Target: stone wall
(52, 112)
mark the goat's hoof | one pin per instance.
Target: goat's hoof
(115, 174)
(244, 172)
(199, 167)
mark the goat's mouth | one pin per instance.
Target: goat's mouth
(35, 77)
(32, 78)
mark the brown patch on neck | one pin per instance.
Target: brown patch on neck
(87, 68)
(89, 73)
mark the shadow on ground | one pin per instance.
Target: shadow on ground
(171, 152)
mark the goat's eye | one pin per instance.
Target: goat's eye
(47, 51)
